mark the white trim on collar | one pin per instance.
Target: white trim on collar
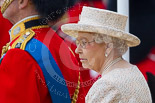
(20, 22)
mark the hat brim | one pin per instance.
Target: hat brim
(73, 29)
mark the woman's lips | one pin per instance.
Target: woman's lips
(82, 59)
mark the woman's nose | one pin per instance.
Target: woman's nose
(78, 49)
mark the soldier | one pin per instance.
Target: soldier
(36, 65)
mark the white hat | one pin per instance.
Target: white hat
(101, 21)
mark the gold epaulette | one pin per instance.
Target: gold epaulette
(21, 42)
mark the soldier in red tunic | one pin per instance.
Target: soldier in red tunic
(37, 66)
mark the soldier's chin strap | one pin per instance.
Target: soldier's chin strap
(5, 5)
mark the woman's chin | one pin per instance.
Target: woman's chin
(85, 66)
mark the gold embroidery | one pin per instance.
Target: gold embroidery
(38, 27)
(30, 34)
(24, 38)
(21, 26)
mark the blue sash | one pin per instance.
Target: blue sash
(2, 58)
(54, 79)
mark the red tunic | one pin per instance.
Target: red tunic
(21, 78)
(148, 64)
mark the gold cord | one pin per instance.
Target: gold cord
(75, 96)
(5, 49)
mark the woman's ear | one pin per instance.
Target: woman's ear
(109, 47)
(22, 3)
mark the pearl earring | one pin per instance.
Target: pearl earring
(106, 54)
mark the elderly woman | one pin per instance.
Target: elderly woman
(101, 41)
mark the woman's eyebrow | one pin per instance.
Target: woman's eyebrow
(81, 38)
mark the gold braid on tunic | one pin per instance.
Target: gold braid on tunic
(5, 49)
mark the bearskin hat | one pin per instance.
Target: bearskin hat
(52, 9)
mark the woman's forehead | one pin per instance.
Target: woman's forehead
(85, 35)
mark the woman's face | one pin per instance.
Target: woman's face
(91, 54)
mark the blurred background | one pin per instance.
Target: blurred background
(141, 24)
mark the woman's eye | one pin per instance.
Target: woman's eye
(83, 42)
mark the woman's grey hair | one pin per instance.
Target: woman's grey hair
(119, 45)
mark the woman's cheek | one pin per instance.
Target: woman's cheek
(91, 62)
